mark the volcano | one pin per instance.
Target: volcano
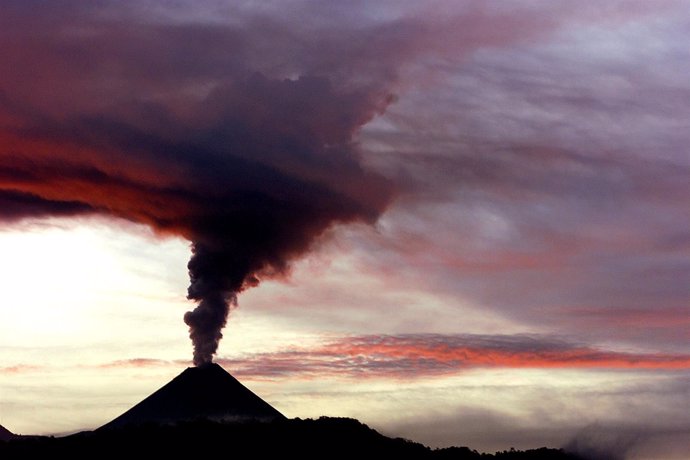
(202, 392)
(5, 434)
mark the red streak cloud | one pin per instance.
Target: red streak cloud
(429, 355)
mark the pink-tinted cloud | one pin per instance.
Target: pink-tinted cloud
(136, 363)
(547, 174)
(20, 369)
(425, 355)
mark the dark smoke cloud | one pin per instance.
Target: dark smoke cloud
(595, 442)
(231, 126)
(155, 124)
(17, 206)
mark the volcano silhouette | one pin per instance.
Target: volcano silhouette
(202, 392)
(5, 434)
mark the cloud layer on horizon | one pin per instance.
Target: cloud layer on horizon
(417, 356)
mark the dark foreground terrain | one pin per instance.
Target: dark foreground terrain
(322, 438)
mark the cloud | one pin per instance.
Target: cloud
(238, 135)
(136, 363)
(546, 181)
(635, 441)
(527, 156)
(427, 355)
(250, 168)
(485, 429)
(422, 356)
(20, 369)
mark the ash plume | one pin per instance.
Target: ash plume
(250, 167)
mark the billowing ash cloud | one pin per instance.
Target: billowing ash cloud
(250, 166)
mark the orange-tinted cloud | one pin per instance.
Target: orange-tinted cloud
(20, 369)
(135, 362)
(425, 355)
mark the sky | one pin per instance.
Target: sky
(461, 222)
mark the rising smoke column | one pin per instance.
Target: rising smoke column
(238, 141)
(307, 178)
(257, 170)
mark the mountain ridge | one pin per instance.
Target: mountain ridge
(326, 437)
(5, 434)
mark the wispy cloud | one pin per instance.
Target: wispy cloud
(426, 355)
(136, 363)
(20, 369)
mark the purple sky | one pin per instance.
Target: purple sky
(453, 193)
